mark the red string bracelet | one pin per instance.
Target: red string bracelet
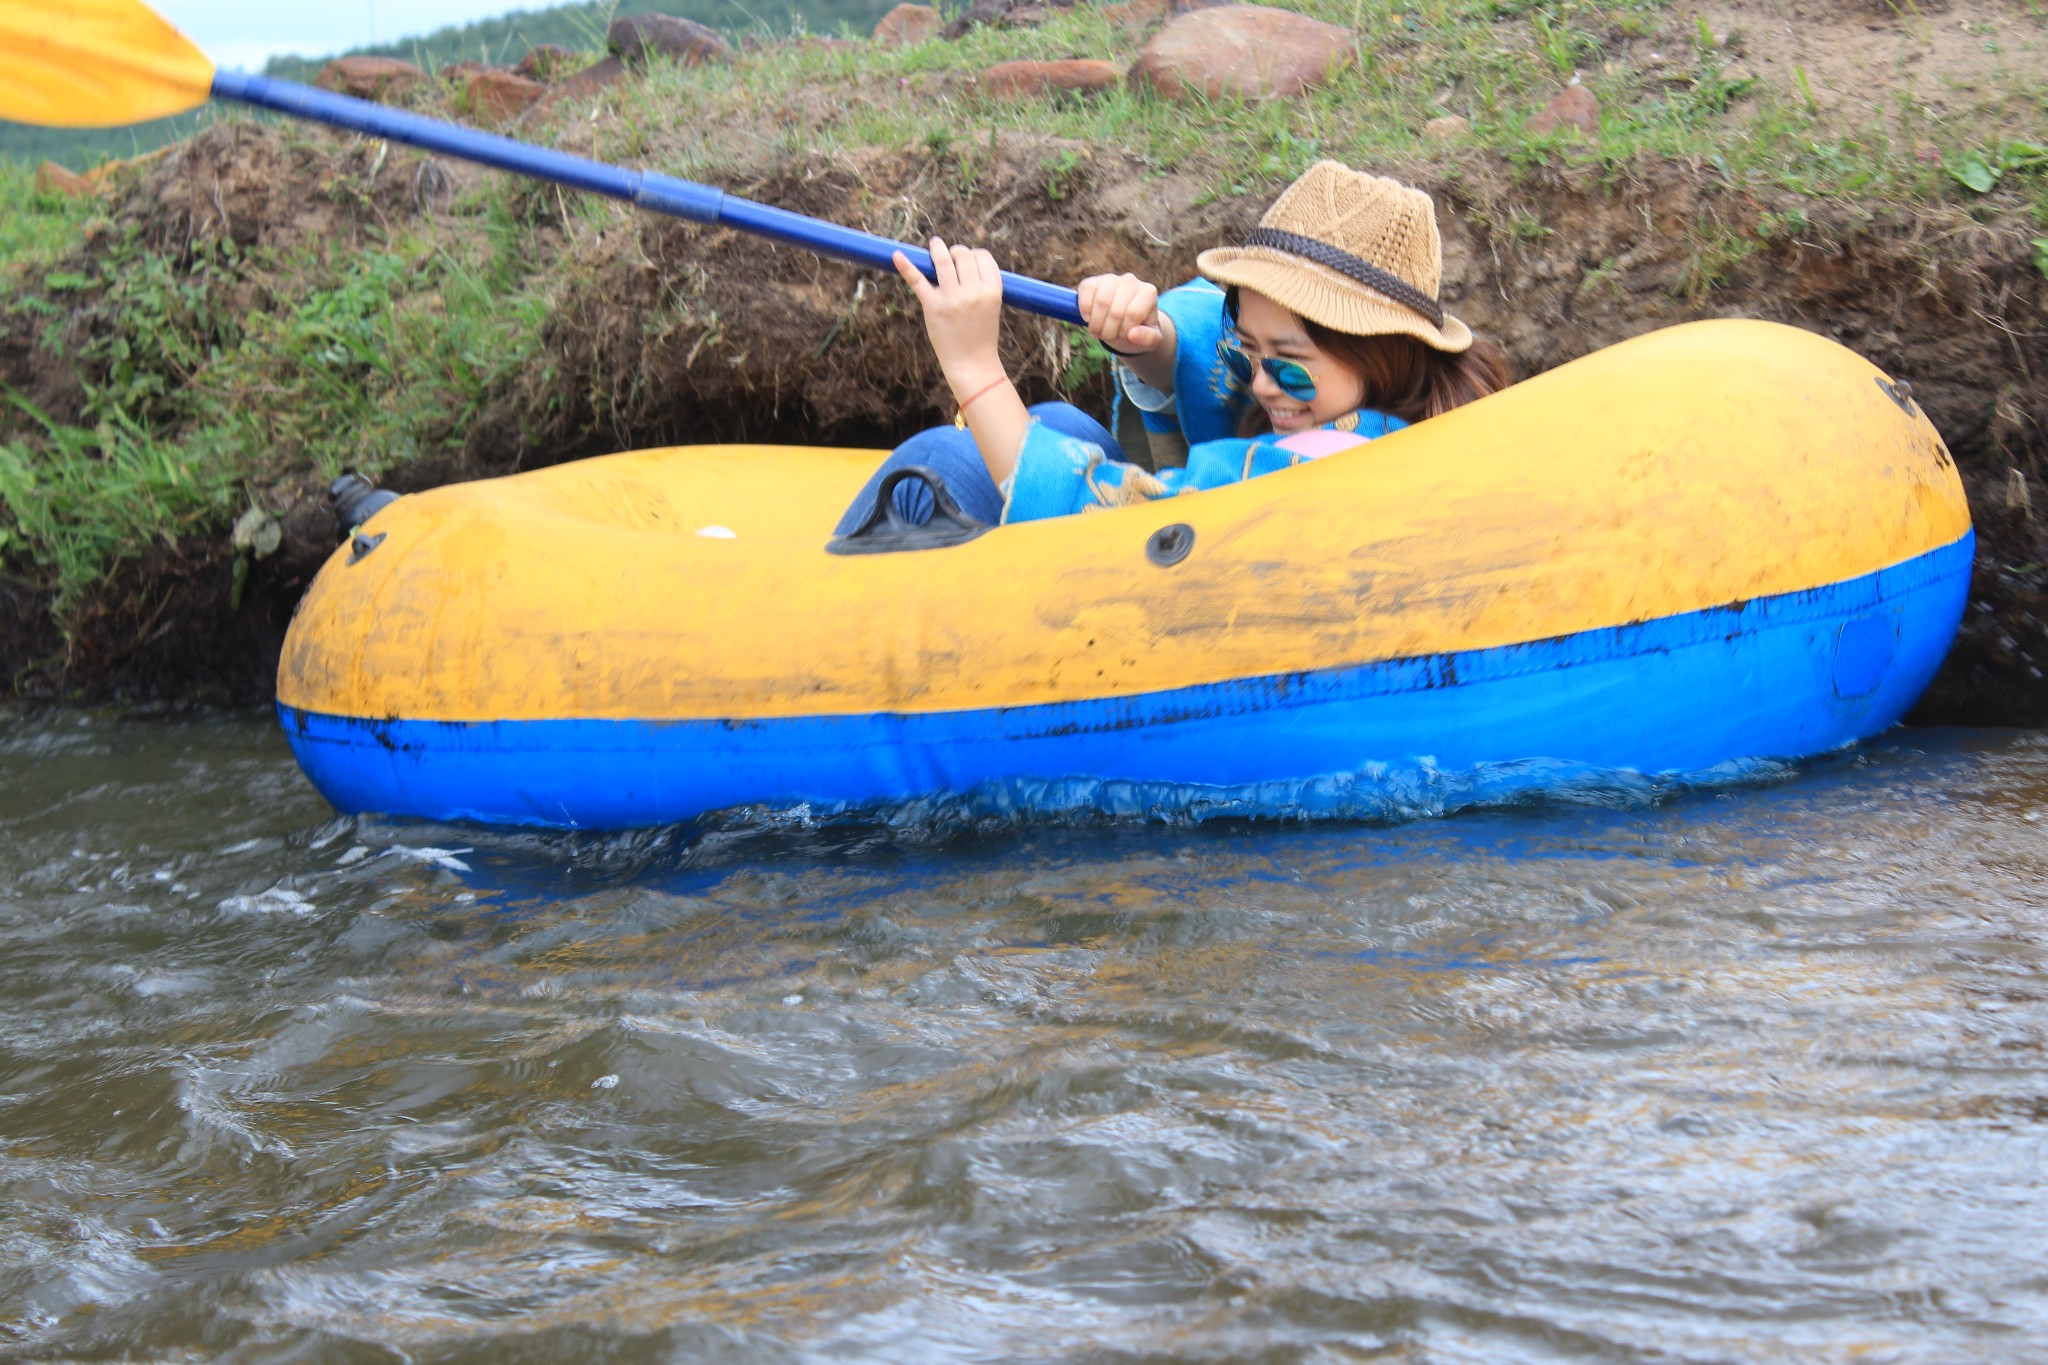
(980, 392)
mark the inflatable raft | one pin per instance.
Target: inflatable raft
(1722, 541)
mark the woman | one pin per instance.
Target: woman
(1321, 331)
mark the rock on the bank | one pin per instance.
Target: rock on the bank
(685, 40)
(1009, 80)
(588, 81)
(54, 179)
(1575, 107)
(369, 78)
(1246, 50)
(907, 26)
(495, 96)
(1445, 128)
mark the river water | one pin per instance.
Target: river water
(1752, 1074)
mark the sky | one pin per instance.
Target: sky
(245, 34)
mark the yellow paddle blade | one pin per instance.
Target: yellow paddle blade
(95, 64)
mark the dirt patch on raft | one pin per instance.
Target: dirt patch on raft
(665, 333)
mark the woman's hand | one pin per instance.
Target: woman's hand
(963, 313)
(963, 316)
(1122, 312)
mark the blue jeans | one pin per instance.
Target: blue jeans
(950, 453)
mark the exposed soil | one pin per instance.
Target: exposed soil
(667, 333)
(1861, 57)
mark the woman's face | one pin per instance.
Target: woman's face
(1265, 329)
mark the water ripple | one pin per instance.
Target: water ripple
(1751, 1072)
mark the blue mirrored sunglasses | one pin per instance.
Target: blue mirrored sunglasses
(1293, 378)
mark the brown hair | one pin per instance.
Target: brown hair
(1403, 376)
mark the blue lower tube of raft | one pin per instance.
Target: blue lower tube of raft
(1778, 677)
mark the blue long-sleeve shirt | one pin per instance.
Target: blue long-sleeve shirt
(1058, 475)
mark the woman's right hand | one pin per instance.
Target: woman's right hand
(963, 316)
(1122, 312)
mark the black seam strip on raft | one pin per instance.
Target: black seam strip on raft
(1337, 259)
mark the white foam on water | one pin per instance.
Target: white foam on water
(436, 857)
(275, 901)
(1375, 791)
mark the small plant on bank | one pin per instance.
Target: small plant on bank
(1979, 169)
(1088, 360)
(1060, 173)
(1525, 226)
(1715, 255)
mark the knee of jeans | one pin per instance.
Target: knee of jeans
(1069, 420)
(1060, 415)
(928, 440)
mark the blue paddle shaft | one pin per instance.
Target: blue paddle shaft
(648, 189)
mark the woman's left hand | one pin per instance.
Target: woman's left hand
(963, 312)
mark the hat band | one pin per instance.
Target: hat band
(1344, 263)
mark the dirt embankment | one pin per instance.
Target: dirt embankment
(664, 333)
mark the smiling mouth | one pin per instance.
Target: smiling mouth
(1286, 416)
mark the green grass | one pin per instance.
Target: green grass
(1494, 62)
(36, 230)
(357, 357)
(83, 148)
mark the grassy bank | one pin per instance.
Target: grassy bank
(1673, 85)
(205, 370)
(174, 358)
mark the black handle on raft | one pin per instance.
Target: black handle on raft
(354, 500)
(884, 531)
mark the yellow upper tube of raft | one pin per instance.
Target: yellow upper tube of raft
(1695, 467)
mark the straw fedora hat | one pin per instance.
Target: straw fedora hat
(1357, 253)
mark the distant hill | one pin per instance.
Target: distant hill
(580, 27)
